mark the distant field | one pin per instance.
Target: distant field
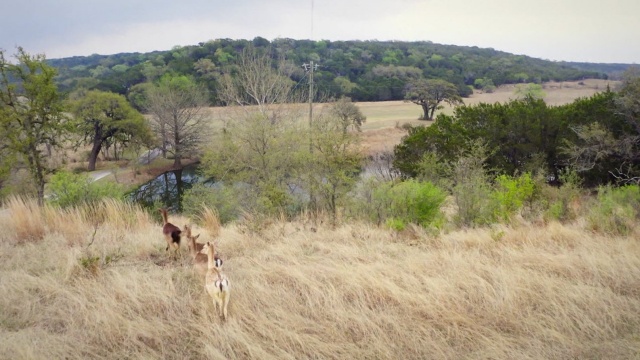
(381, 132)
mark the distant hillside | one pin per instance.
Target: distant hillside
(612, 70)
(363, 70)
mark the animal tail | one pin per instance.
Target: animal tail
(175, 236)
(223, 285)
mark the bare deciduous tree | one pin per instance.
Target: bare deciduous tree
(261, 140)
(177, 106)
(257, 81)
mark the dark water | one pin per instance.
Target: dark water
(168, 189)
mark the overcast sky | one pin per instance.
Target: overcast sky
(569, 30)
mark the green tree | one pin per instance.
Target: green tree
(102, 116)
(529, 90)
(601, 140)
(348, 113)
(31, 113)
(177, 105)
(516, 131)
(485, 84)
(344, 85)
(335, 162)
(628, 99)
(430, 93)
(261, 153)
(68, 189)
(260, 144)
(206, 68)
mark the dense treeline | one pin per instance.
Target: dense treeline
(598, 137)
(362, 70)
(613, 71)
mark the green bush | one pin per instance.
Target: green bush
(471, 189)
(411, 201)
(223, 198)
(510, 195)
(397, 204)
(617, 210)
(68, 189)
(396, 224)
(556, 202)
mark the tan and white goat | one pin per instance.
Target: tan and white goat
(216, 282)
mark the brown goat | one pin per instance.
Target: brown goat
(172, 233)
(199, 260)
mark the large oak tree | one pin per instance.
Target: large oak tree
(430, 93)
(31, 114)
(102, 116)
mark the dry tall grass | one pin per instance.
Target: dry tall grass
(354, 292)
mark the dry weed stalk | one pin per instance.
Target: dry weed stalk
(210, 220)
(27, 219)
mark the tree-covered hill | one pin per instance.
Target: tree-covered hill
(363, 70)
(614, 70)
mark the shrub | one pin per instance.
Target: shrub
(617, 210)
(411, 201)
(471, 190)
(434, 170)
(224, 199)
(69, 189)
(560, 203)
(396, 224)
(510, 194)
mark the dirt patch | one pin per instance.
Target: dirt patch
(382, 140)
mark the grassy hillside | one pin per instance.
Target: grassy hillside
(97, 284)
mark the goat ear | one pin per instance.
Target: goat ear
(196, 237)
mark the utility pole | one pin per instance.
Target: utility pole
(310, 67)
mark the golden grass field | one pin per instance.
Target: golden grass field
(75, 287)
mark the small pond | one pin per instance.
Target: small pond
(168, 188)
